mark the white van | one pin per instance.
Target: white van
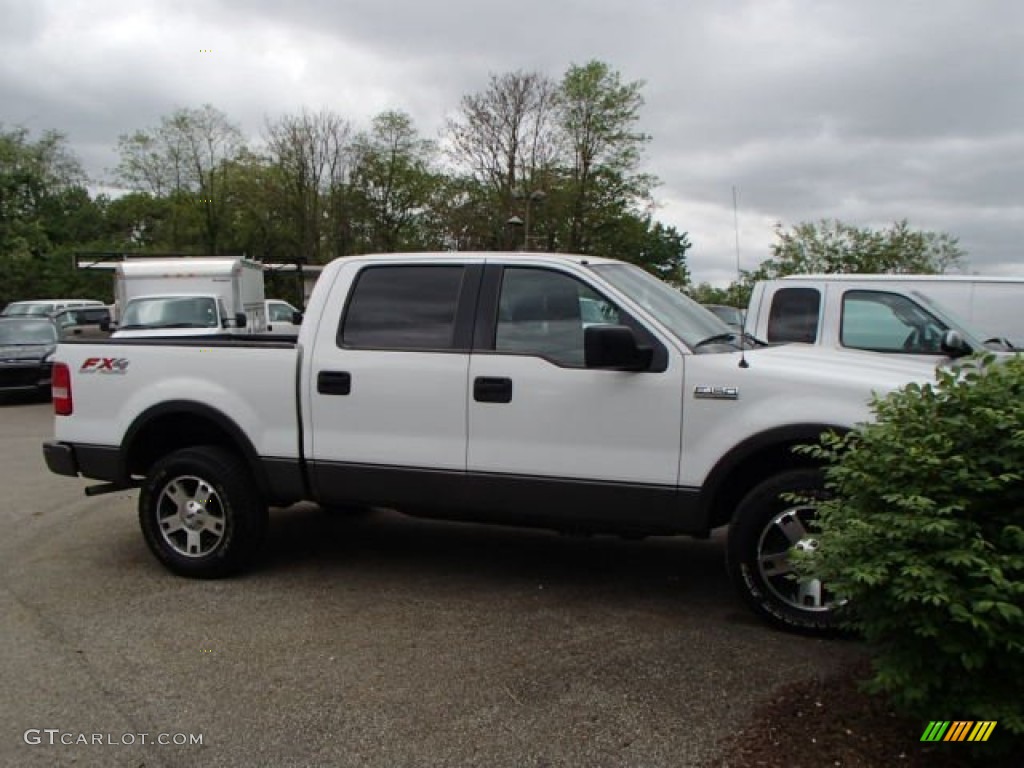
(44, 307)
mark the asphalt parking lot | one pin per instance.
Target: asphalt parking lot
(377, 640)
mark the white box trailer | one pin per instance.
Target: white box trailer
(237, 283)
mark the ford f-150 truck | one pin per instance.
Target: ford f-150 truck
(566, 392)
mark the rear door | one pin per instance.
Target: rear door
(388, 384)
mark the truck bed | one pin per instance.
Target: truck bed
(251, 380)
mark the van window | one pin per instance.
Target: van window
(889, 322)
(403, 307)
(794, 315)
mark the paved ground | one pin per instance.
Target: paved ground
(375, 641)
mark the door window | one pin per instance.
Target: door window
(544, 313)
(889, 322)
(281, 313)
(403, 307)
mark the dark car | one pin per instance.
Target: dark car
(27, 345)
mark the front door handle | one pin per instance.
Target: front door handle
(489, 389)
(334, 382)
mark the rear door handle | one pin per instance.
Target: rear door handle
(334, 382)
(488, 389)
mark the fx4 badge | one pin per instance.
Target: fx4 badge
(107, 365)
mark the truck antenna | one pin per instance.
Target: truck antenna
(736, 229)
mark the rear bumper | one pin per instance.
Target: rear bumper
(98, 462)
(60, 458)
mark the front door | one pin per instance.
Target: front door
(558, 439)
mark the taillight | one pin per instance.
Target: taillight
(60, 384)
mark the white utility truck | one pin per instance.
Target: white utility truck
(282, 318)
(896, 314)
(189, 297)
(565, 392)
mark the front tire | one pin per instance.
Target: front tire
(765, 529)
(200, 513)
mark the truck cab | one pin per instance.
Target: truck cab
(859, 312)
(200, 296)
(177, 315)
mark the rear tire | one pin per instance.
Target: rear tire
(200, 513)
(764, 530)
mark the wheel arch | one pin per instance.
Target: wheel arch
(177, 424)
(753, 461)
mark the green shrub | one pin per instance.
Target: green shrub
(924, 537)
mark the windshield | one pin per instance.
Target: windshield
(682, 316)
(971, 335)
(27, 332)
(170, 312)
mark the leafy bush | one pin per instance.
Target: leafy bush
(924, 537)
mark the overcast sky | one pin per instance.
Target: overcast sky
(862, 110)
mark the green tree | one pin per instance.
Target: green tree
(44, 211)
(597, 115)
(833, 247)
(505, 140)
(392, 179)
(188, 157)
(730, 296)
(312, 158)
(139, 222)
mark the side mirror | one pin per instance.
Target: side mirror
(241, 321)
(953, 344)
(614, 347)
(105, 325)
(296, 318)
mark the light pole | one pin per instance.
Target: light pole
(529, 200)
(513, 224)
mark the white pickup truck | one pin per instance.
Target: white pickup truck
(572, 393)
(892, 314)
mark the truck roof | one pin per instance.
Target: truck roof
(184, 267)
(503, 256)
(891, 278)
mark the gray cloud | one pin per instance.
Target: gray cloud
(870, 111)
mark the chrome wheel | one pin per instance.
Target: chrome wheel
(767, 527)
(190, 516)
(785, 532)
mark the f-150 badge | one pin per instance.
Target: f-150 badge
(716, 393)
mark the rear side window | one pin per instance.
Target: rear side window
(403, 307)
(794, 315)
